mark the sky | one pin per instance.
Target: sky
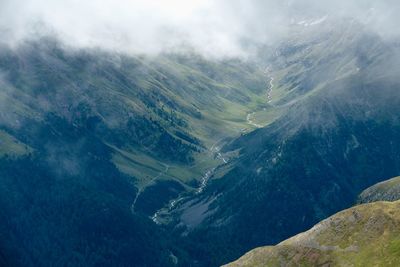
(212, 27)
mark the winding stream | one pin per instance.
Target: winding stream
(215, 150)
(250, 116)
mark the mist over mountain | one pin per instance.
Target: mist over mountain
(176, 133)
(216, 28)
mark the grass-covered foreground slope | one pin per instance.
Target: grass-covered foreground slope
(384, 191)
(365, 235)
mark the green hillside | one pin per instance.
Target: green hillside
(366, 235)
(152, 112)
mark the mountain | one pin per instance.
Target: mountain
(92, 143)
(338, 96)
(109, 159)
(365, 235)
(384, 191)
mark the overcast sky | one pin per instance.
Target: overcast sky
(150, 26)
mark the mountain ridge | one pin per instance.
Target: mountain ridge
(350, 237)
(365, 235)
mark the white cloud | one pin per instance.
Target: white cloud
(215, 27)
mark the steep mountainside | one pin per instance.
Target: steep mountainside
(366, 235)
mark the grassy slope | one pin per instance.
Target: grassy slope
(365, 235)
(385, 191)
(223, 101)
(187, 94)
(223, 92)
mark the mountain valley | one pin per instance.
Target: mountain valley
(180, 159)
